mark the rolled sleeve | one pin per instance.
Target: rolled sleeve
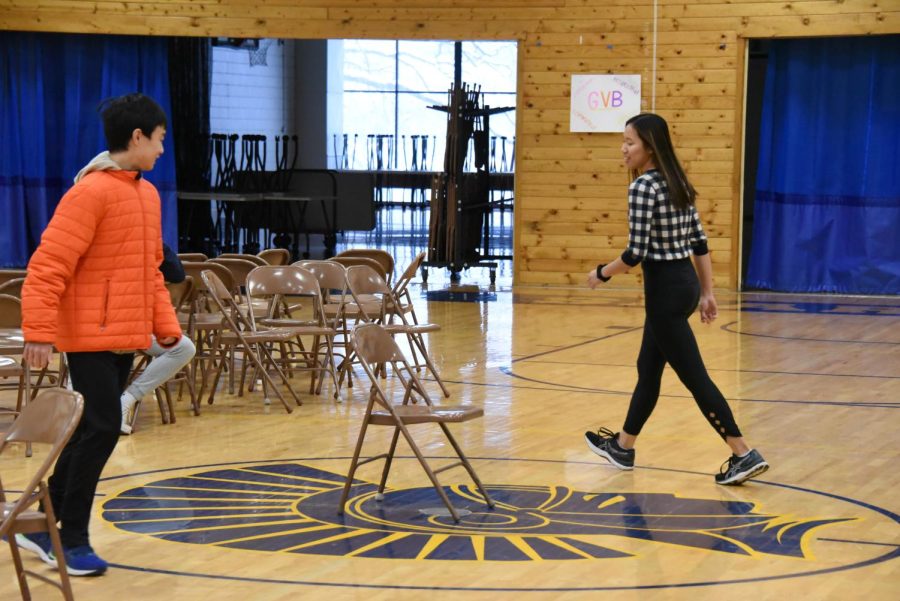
(697, 240)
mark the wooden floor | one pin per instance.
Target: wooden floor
(239, 502)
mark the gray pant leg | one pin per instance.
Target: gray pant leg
(165, 364)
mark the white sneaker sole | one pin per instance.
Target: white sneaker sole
(73, 572)
(607, 456)
(24, 543)
(742, 477)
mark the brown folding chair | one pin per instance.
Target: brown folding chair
(375, 346)
(202, 320)
(362, 280)
(382, 257)
(50, 419)
(339, 309)
(273, 284)
(240, 335)
(275, 256)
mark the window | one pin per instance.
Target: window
(387, 87)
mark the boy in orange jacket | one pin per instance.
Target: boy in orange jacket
(94, 291)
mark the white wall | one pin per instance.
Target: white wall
(254, 99)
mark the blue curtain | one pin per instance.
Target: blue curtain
(50, 86)
(827, 206)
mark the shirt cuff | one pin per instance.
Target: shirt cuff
(630, 259)
(700, 249)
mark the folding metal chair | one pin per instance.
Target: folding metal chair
(274, 284)
(362, 280)
(375, 346)
(50, 419)
(241, 335)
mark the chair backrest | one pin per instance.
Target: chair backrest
(194, 269)
(214, 285)
(274, 282)
(193, 257)
(51, 418)
(11, 274)
(374, 345)
(408, 274)
(252, 258)
(362, 279)
(275, 256)
(10, 311)
(53, 414)
(285, 280)
(240, 268)
(181, 293)
(12, 287)
(383, 257)
(366, 261)
(331, 275)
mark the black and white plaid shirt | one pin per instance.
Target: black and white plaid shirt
(657, 230)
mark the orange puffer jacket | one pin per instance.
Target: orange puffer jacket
(94, 282)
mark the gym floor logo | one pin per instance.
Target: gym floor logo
(291, 507)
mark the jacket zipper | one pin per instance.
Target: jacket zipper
(105, 306)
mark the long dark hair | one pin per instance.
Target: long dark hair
(654, 133)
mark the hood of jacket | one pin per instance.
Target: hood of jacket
(101, 162)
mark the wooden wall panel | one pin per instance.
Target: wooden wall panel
(570, 188)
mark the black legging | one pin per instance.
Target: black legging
(672, 292)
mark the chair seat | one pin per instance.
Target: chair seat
(26, 516)
(279, 335)
(9, 367)
(298, 327)
(423, 414)
(420, 328)
(202, 321)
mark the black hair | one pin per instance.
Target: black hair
(124, 114)
(654, 133)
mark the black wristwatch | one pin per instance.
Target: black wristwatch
(600, 273)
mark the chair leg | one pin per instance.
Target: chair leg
(354, 463)
(20, 569)
(431, 474)
(56, 543)
(169, 406)
(257, 362)
(468, 466)
(388, 461)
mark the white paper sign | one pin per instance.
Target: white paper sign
(603, 103)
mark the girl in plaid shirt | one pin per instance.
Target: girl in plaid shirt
(664, 231)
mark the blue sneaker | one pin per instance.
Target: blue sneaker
(82, 561)
(39, 544)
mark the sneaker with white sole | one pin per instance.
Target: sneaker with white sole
(39, 544)
(82, 561)
(737, 470)
(605, 443)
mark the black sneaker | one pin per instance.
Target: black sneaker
(740, 469)
(604, 443)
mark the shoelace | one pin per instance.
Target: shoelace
(605, 433)
(728, 463)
